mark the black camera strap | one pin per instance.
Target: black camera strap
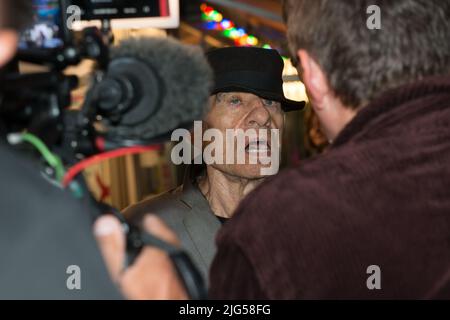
(186, 270)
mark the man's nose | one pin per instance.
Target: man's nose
(258, 116)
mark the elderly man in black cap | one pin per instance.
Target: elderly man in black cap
(248, 94)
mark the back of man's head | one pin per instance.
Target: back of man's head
(361, 62)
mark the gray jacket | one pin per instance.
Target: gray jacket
(187, 212)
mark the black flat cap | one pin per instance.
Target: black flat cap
(254, 70)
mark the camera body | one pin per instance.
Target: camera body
(39, 102)
(127, 99)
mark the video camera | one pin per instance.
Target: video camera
(117, 100)
(136, 98)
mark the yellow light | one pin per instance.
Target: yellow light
(295, 91)
(252, 41)
(234, 34)
(218, 17)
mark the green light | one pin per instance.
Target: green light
(251, 40)
(227, 33)
(231, 33)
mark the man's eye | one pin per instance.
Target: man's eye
(235, 101)
(269, 103)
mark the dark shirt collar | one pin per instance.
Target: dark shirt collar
(222, 219)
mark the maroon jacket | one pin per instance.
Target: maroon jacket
(380, 196)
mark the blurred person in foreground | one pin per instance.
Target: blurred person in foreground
(46, 234)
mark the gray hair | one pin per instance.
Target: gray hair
(413, 43)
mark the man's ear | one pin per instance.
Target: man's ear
(313, 78)
(8, 46)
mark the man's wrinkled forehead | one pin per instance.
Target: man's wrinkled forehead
(222, 95)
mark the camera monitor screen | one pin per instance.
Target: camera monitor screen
(117, 9)
(45, 31)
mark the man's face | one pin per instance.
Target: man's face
(239, 110)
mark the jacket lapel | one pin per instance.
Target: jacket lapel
(202, 227)
(200, 222)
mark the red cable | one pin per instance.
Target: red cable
(80, 166)
(164, 8)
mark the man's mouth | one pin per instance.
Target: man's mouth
(258, 146)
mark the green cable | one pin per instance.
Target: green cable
(53, 160)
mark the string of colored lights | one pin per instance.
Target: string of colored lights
(215, 21)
